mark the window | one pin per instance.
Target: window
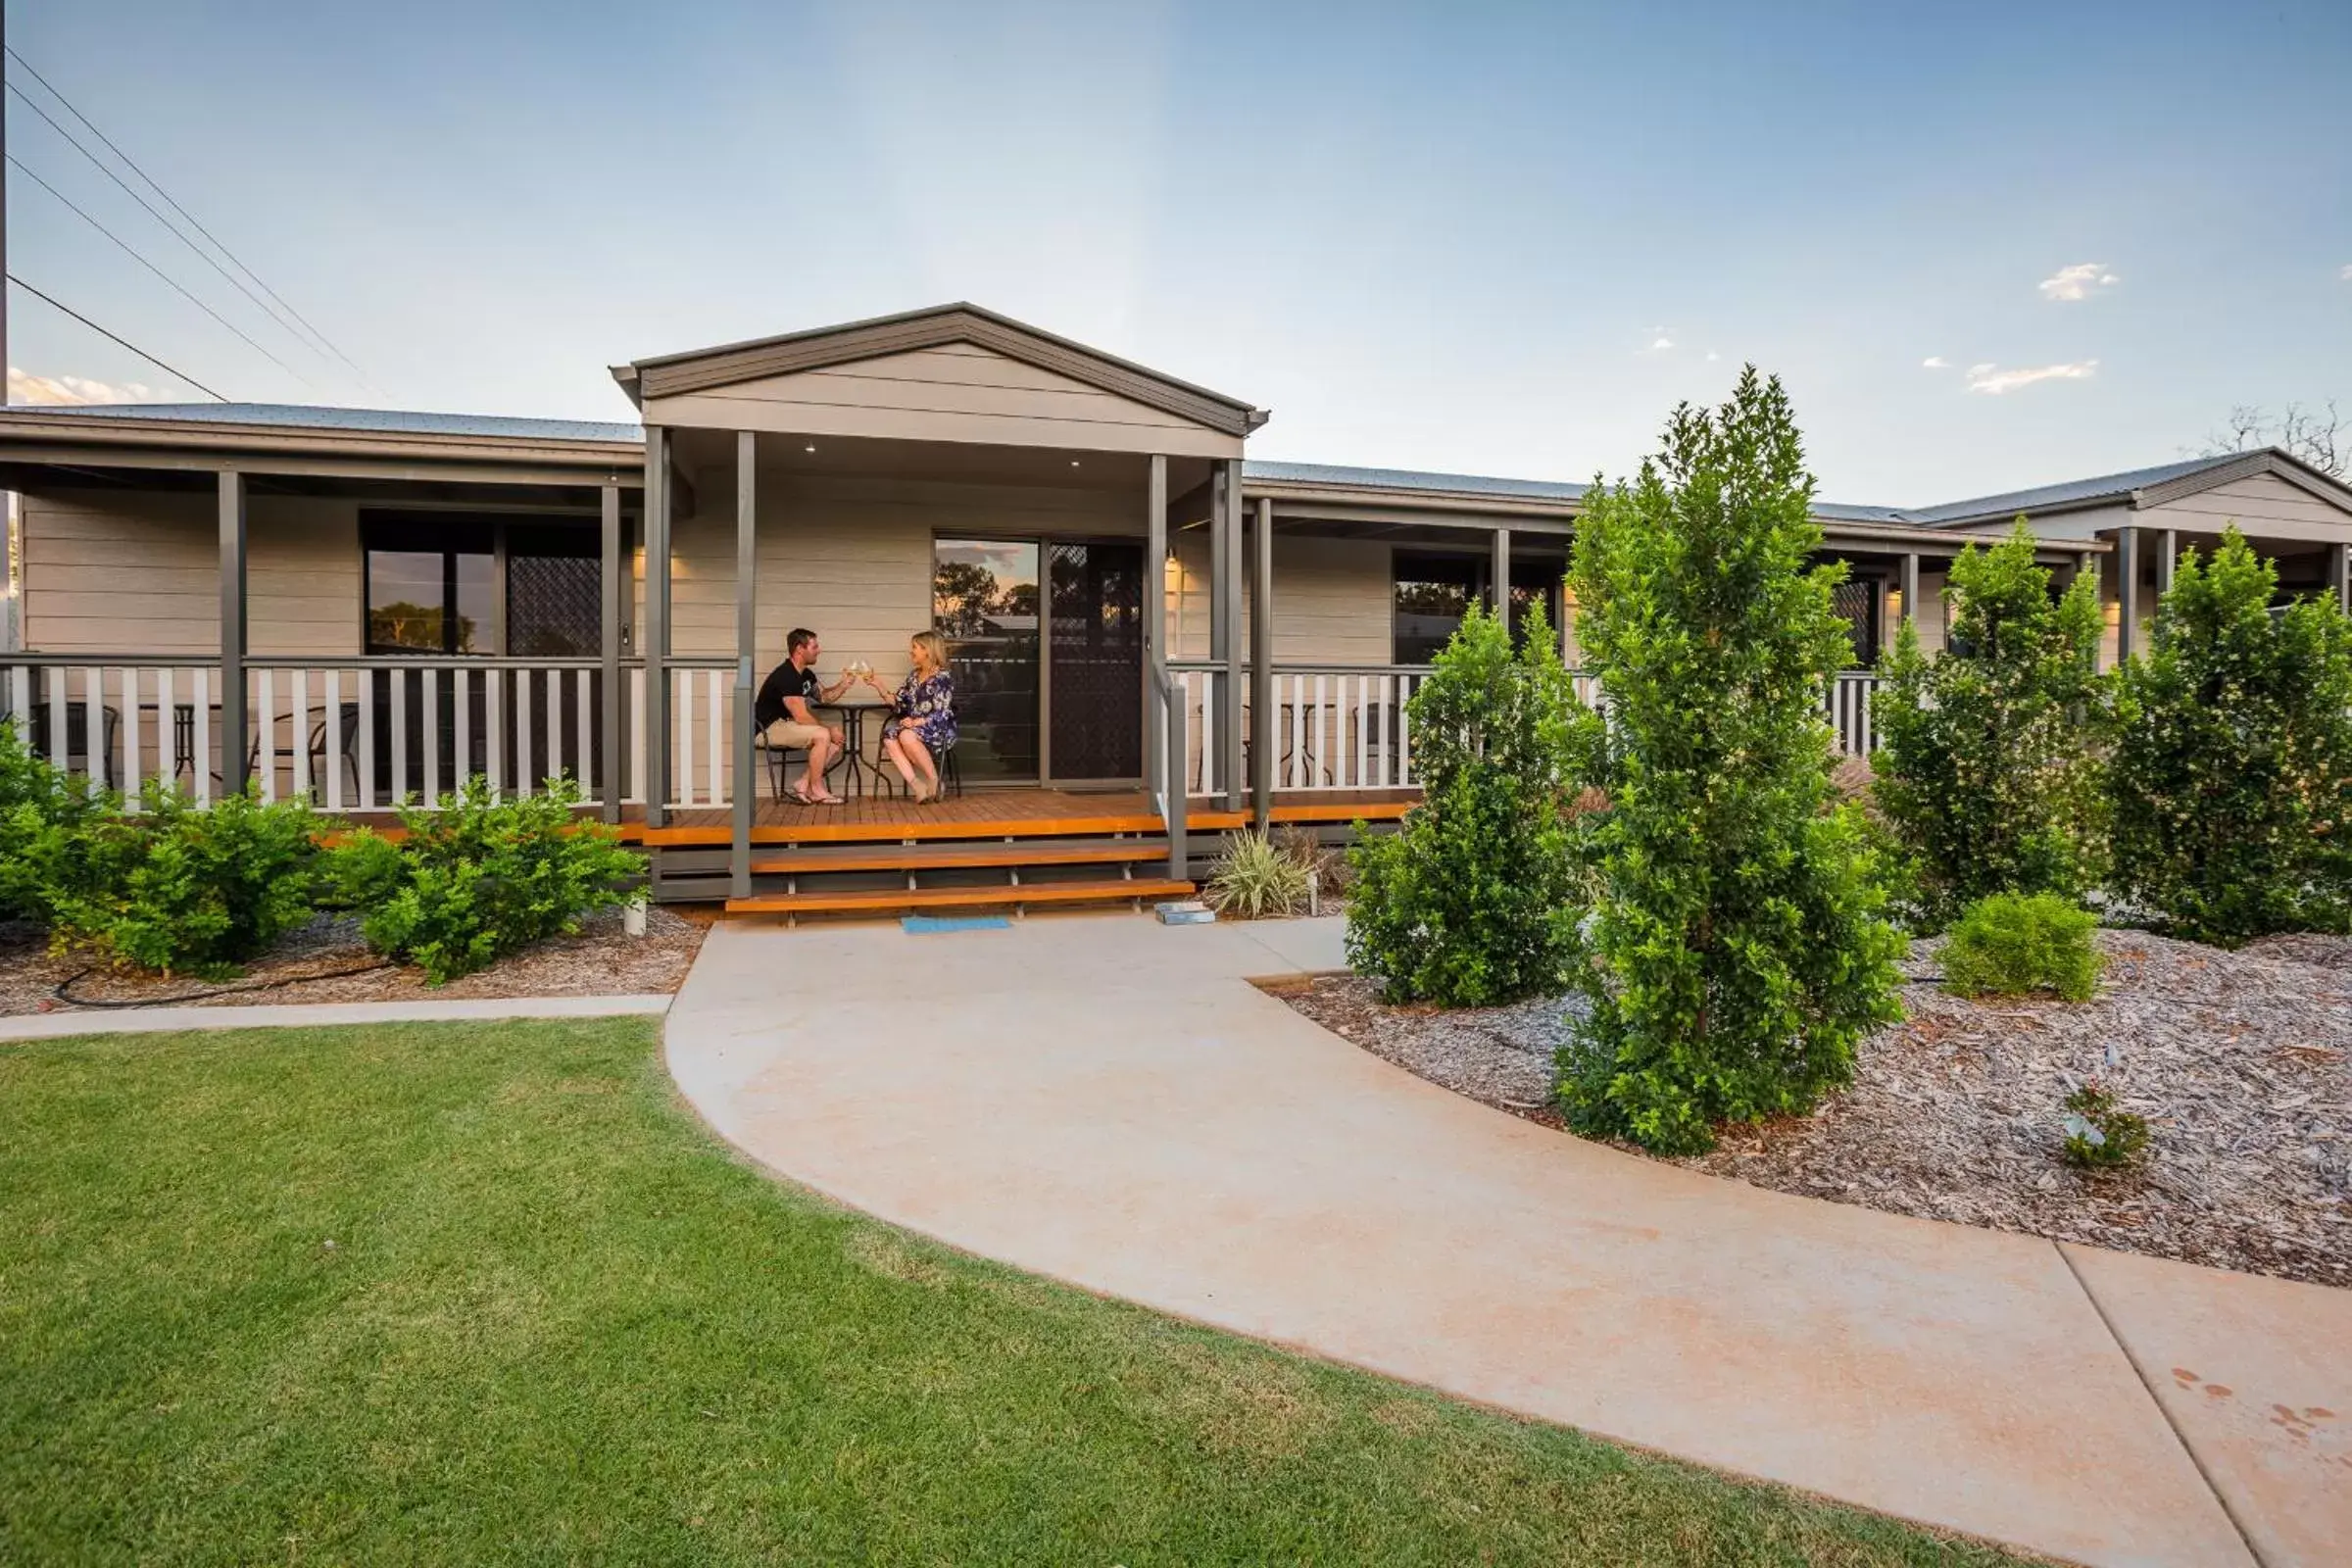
(432, 585)
(470, 583)
(1435, 590)
(1433, 594)
(1855, 601)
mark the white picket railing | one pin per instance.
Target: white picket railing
(357, 734)
(1347, 728)
(701, 747)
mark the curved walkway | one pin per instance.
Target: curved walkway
(1108, 1101)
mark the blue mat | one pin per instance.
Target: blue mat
(925, 924)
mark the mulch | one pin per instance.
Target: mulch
(2240, 1061)
(328, 961)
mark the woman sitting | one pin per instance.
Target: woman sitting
(922, 721)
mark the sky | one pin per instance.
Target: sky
(1985, 245)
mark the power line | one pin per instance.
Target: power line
(133, 252)
(100, 164)
(132, 165)
(182, 375)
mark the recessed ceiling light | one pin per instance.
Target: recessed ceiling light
(1073, 463)
(808, 448)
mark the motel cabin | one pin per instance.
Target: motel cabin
(1154, 638)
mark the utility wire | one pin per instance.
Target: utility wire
(176, 231)
(133, 252)
(180, 376)
(132, 165)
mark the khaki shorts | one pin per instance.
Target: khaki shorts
(794, 736)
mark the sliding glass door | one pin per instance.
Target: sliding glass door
(984, 601)
(1071, 677)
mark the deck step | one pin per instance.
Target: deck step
(880, 899)
(936, 856)
(820, 830)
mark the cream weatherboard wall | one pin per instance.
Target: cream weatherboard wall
(140, 572)
(955, 392)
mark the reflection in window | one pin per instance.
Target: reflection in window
(984, 600)
(431, 585)
(1434, 591)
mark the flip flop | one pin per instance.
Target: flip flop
(800, 795)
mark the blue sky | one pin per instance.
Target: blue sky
(1501, 239)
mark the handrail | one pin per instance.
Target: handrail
(113, 660)
(1173, 761)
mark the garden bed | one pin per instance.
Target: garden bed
(2240, 1061)
(328, 961)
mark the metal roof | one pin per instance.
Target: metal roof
(2073, 493)
(1479, 485)
(388, 421)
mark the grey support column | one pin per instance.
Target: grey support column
(2127, 592)
(1262, 665)
(235, 774)
(1156, 772)
(612, 772)
(1220, 609)
(1910, 586)
(1229, 582)
(656, 739)
(1500, 598)
(747, 638)
(2339, 574)
(2168, 545)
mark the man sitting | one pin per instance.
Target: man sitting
(784, 711)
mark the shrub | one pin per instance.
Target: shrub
(1737, 948)
(40, 807)
(2011, 942)
(1256, 879)
(181, 887)
(2232, 779)
(1988, 764)
(479, 877)
(1472, 901)
(2099, 1135)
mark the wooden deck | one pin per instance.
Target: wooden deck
(998, 814)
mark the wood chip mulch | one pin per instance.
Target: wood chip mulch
(328, 961)
(2240, 1061)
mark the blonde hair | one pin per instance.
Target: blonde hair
(933, 645)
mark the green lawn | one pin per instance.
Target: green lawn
(465, 1292)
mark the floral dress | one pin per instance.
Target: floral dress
(928, 707)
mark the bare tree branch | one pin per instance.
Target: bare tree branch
(2323, 440)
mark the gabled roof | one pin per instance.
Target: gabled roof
(700, 369)
(2139, 488)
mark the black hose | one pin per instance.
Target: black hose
(64, 988)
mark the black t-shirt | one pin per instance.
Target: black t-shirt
(787, 679)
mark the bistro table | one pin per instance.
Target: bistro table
(852, 712)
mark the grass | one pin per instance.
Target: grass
(473, 1291)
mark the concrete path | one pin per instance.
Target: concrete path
(1107, 1101)
(297, 1014)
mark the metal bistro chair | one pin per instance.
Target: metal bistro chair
(78, 737)
(317, 751)
(950, 777)
(780, 761)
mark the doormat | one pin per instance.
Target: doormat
(925, 924)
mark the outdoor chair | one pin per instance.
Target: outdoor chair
(318, 752)
(785, 761)
(77, 738)
(951, 778)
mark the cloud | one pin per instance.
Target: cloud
(2075, 282)
(1934, 362)
(1662, 343)
(1986, 378)
(24, 387)
(2346, 274)
(1712, 355)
